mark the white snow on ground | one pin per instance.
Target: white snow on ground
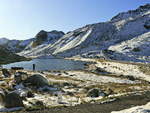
(54, 100)
(123, 69)
(142, 40)
(137, 109)
(91, 77)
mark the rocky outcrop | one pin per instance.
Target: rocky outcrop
(45, 37)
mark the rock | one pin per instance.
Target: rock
(6, 73)
(20, 76)
(17, 68)
(100, 70)
(109, 91)
(2, 96)
(30, 94)
(40, 38)
(147, 24)
(95, 93)
(39, 103)
(13, 99)
(36, 80)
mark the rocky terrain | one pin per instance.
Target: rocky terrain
(116, 76)
(96, 84)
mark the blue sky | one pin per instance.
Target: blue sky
(23, 19)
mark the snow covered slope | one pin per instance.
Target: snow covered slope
(124, 37)
(15, 45)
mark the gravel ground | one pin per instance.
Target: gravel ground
(120, 104)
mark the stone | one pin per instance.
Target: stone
(36, 80)
(2, 96)
(12, 99)
(20, 76)
(95, 93)
(6, 73)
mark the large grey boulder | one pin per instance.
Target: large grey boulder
(13, 99)
(36, 80)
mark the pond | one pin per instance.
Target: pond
(48, 64)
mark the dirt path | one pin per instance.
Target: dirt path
(120, 104)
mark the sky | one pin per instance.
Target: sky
(23, 19)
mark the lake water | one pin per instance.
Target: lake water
(48, 64)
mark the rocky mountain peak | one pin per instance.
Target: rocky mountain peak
(46, 37)
(145, 7)
(142, 10)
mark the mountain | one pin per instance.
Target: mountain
(125, 37)
(15, 45)
(42, 39)
(3, 41)
(8, 57)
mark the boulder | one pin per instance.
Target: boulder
(12, 99)
(20, 76)
(147, 24)
(95, 93)
(36, 80)
(6, 73)
(2, 96)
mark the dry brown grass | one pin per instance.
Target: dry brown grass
(120, 88)
(145, 68)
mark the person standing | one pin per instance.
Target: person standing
(33, 67)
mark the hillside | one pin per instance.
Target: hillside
(8, 57)
(107, 39)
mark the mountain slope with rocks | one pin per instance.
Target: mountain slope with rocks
(8, 57)
(42, 39)
(107, 39)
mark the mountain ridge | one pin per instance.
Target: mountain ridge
(99, 40)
